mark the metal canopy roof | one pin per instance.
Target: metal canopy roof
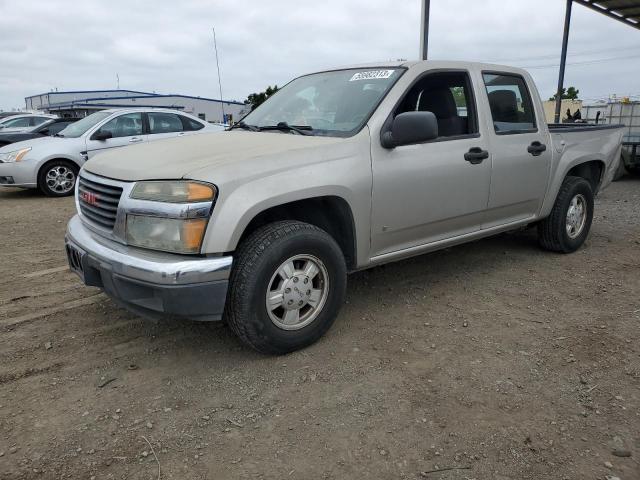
(625, 11)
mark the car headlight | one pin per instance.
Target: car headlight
(14, 156)
(173, 192)
(179, 221)
(166, 234)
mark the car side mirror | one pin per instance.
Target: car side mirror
(102, 135)
(409, 128)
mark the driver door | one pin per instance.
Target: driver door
(125, 129)
(437, 190)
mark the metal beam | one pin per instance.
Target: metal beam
(608, 13)
(563, 60)
(424, 30)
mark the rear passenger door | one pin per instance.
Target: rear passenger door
(520, 150)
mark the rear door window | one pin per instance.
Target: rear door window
(164, 123)
(510, 103)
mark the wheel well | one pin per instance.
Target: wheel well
(590, 171)
(332, 214)
(49, 162)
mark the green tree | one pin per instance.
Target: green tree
(256, 99)
(567, 94)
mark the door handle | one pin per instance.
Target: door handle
(135, 139)
(476, 155)
(536, 148)
(181, 134)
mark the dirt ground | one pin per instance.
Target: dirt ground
(495, 360)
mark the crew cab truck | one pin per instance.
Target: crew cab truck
(339, 171)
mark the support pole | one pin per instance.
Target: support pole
(424, 30)
(563, 60)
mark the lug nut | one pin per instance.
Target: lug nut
(300, 302)
(308, 292)
(287, 290)
(290, 302)
(306, 280)
(295, 279)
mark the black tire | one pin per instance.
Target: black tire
(256, 261)
(552, 231)
(44, 171)
(634, 171)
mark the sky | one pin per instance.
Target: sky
(167, 47)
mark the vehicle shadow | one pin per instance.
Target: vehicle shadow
(19, 193)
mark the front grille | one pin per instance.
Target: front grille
(99, 202)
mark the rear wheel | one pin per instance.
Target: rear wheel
(287, 286)
(567, 227)
(58, 178)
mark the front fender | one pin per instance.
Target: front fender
(235, 209)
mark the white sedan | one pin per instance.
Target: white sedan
(52, 163)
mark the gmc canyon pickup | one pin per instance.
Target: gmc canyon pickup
(339, 171)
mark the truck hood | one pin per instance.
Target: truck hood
(178, 157)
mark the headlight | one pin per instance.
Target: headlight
(166, 234)
(15, 156)
(173, 192)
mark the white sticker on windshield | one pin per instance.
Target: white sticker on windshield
(371, 75)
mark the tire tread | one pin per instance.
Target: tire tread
(248, 254)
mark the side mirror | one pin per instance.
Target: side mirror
(409, 128)
(102, 135)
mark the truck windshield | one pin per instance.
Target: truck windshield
(336, 103)
(81, 126)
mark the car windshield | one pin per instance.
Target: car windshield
(81, 126)
(333, 103)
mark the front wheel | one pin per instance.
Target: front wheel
(287, 286)
(567, 227)
(58, 178)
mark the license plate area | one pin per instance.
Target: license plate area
(75, 258)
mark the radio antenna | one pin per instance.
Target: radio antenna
(215, 46)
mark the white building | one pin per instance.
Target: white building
(83, 102)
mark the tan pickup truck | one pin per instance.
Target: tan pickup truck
(339, 171)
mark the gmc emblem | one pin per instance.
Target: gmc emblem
(89, 197)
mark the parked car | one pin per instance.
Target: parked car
(52, 163)
(23, 122)
(7, 114)
(339, 171)
(47, 129)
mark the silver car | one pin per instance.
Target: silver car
(52, 164)
(23, 122)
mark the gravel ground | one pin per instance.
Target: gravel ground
(494, 360)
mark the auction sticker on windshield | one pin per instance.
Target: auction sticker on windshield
(371, 75)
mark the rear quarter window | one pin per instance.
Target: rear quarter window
(190, 124)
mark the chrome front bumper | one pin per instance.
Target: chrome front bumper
(149, 283)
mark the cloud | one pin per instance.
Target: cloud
(168, 46)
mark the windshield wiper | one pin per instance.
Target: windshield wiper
(284, 126)
(245, 126)
(58, 135)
